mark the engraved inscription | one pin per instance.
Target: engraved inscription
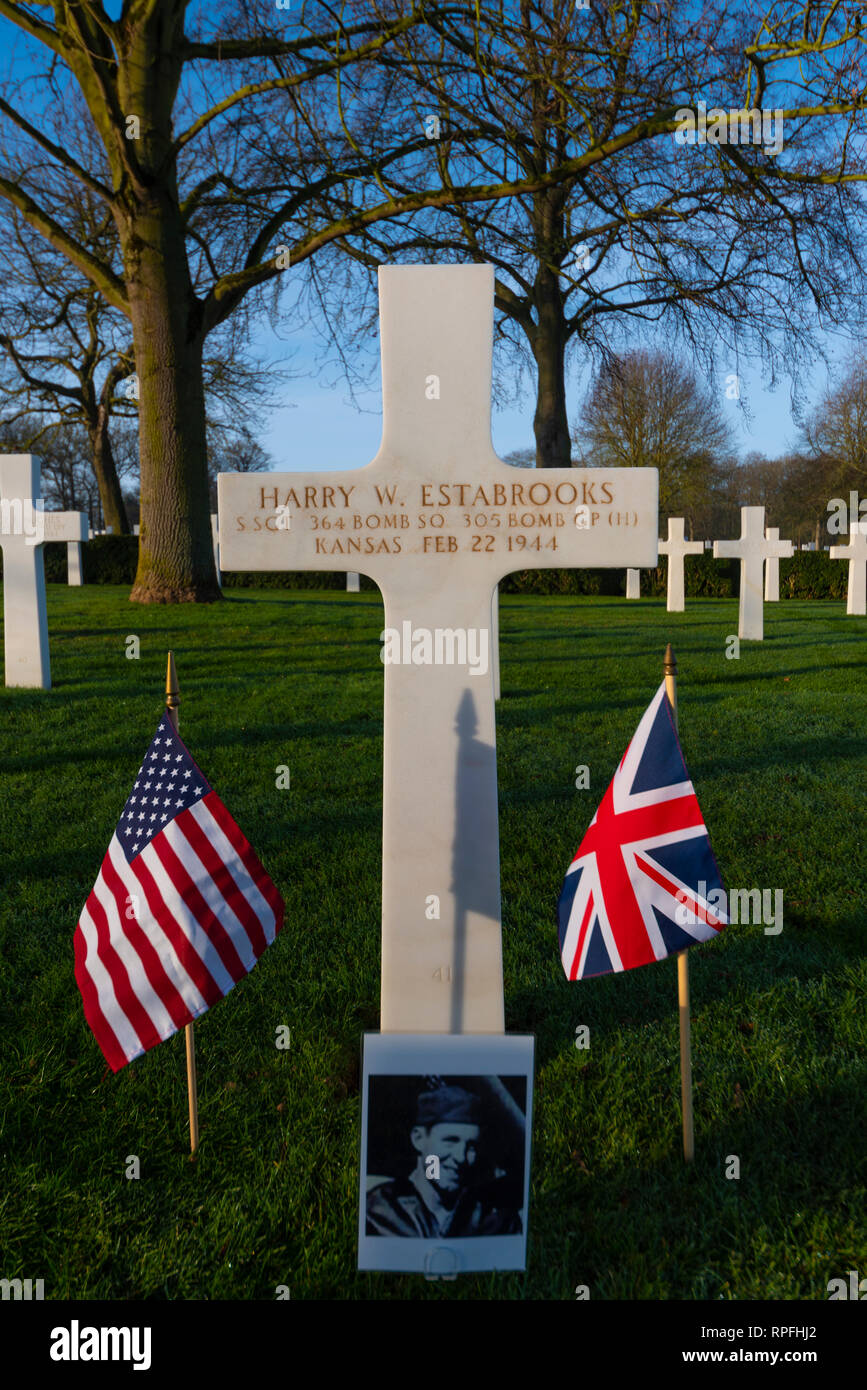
(440, 518)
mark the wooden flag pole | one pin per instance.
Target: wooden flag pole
(669, 666)
(173, 699)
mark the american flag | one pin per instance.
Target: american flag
(637, 890)
(181, 910)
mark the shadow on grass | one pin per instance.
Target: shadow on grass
(814, 751)
(616, 1003)
(696, 1225)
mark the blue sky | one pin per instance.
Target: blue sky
(320, 428)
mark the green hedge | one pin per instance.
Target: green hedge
(809, 574)
(104, 560)
(704, 577)
(290, 579)
(813, 574)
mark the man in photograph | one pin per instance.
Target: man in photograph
(449, 1193)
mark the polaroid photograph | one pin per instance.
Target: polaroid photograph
(445, 1152)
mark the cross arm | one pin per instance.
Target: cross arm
(483, 519)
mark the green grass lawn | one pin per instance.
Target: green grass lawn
(775, 745)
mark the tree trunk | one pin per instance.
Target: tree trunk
(550, 422)
(176, 556)
(110, 494)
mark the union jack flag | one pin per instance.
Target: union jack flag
(637, 890)
(180, 912)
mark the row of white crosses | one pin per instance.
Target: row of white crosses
(33, 667)
(24, 527)
(759, 550)
(759, 547)
(754, 549)
(856, 553)
(676, 548)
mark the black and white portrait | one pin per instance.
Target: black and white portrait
(445, 1154)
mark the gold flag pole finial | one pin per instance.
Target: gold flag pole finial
(173, 694)
(669, 667)
(173, 700)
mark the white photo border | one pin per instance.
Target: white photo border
(444, 1054)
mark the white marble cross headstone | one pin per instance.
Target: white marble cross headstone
(856, 553)
(215, 537)
(772, 563)
(353, 582)
(676, 548)
(74, 573)
(72, 528)
(23, 529)
(752, 550)
(495, 640)
(436, 520)
(633, 583)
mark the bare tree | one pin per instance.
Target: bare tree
(733, 245)
(67, 359)
(65, 350)
(184, 121)
(836, 432)
(68, 479)
(234, 450)
(648, 409)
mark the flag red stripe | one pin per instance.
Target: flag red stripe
(222, 877)
(197, 906)
(184, 949)
(573, 974)
(140, 1019)
(691, 904)
(151, 964)
(609, 835)
(621, 906)
(248, 857)
(681, 813)
(99, 1025)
